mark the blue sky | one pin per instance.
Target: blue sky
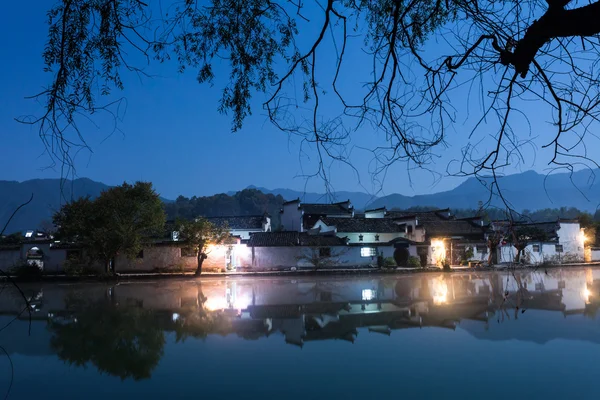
(173, 135)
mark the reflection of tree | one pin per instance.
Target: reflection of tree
(121, 341)
(196, 321)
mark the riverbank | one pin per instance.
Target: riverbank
(127, 276)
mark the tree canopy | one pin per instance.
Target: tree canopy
(200, 234)
(418, 55)
(127, 342)
(120, 221)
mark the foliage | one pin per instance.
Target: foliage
(14, 238)
(511, 51)
(245, 202)
(120, 221)
(468, 254)
(125, 342)
(24, 270)
(414, 262)
(199, 234)
(389, 262)
(78, 268)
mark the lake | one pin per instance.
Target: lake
(498, 335)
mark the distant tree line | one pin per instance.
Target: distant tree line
(245, 202)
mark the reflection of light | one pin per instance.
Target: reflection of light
(175, 316)
(440, 291)
(215, 303)
(585, 293)
(242, 302)
(439, 251)
(368, 294)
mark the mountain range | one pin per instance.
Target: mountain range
(527, 190)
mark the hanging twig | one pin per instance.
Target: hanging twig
(14, 213)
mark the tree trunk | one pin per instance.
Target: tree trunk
(493, 256)
(107, 267)
(518, 255)
(201, 258)
(555, 23)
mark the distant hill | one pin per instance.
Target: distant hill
(358, 199)
(527, 190)
(47, 199)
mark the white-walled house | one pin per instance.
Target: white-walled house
(243, 226)
(564, 242)
(294, 249)
(300, 217)
(361, 230)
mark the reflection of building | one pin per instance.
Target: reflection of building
(311, 309)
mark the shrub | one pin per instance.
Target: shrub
(389, 262)
(25, 270)
(446, 267)
(414, 262)
(78, 268)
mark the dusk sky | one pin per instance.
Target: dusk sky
(171, 133)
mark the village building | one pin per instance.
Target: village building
(300, 217)
(245, 225)
(560, 241)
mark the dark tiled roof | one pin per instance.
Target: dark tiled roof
(376, 209)
(327, 209)
(367, 225)
(422, 216)
(278, 239)
(453, 228)
(239, 222)
(548, 228)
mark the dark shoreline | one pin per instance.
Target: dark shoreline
(130, 276)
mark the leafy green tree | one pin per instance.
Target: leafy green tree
(120, 221)
(126, 342)
(201, 234)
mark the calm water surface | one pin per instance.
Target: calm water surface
(472, 335)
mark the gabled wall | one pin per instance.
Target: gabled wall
(291, 217)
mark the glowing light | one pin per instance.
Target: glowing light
(215, 303)
(438, 249)
(368, 294)
(586, 294)
(440, 292)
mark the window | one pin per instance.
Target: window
(140, 254)
(482, 249)
(324, 252)
(536, 248)
(558, 248)
(360, 238)
(368, 294)
(188, 252)
(368, 252)
(377, 238)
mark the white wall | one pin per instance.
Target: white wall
(286, 257)
(324, 228)
(9, 259)
(595, 254)
(291, 218)
(375, 214)
(353, 237)
(547, 252)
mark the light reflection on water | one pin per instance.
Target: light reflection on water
(421, 335)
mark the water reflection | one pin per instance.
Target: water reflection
(121, 329)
